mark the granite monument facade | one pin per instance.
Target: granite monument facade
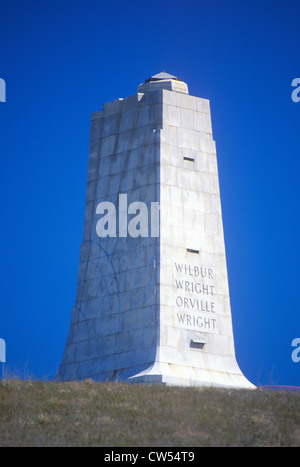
(153, 302)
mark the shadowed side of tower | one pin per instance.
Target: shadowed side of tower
(114, 325)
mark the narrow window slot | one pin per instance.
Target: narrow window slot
(190, 159)
(197, 344)
(196, 252)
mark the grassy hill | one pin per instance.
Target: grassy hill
(38, 413)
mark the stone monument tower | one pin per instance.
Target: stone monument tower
(152, 302)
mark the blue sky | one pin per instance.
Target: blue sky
(61, 61)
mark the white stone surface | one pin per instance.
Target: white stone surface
(145, 305)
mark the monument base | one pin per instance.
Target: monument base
(163, 374)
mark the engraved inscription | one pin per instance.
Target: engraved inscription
(195, 302)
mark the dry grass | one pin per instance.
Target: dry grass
(38, 413)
